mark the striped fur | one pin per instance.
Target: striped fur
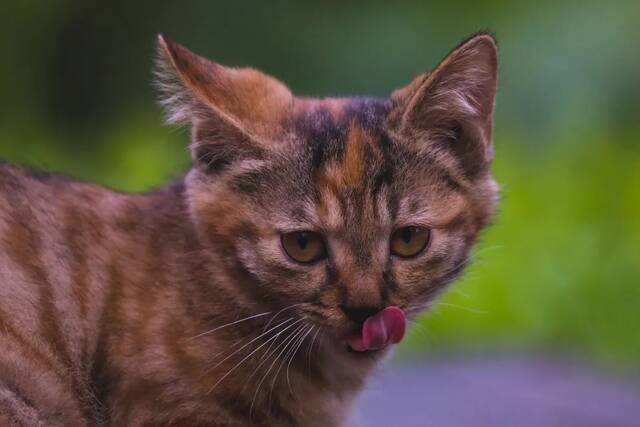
(180, 307)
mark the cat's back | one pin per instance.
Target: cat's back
(51, 233)
(47, 224)
(43, 222)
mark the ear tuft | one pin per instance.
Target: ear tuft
(179, 103)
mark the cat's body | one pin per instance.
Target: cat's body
(182, 307)
(101, 296)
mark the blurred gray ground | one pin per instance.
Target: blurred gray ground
(512, 391)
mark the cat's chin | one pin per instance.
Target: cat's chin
(367, 354)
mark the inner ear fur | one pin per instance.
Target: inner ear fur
(234, 112)
(454, 103)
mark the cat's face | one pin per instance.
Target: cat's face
(334, 209)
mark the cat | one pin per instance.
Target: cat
(264, 286)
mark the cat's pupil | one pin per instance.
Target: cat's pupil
(406, 235)
(303, 241)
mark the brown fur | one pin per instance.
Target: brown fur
(180, 307)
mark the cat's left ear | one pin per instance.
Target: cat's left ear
(453, 104)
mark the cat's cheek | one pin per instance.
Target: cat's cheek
(262, 258)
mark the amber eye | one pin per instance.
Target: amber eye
(409, 241)
(304, 246)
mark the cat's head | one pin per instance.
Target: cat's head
(333, 209)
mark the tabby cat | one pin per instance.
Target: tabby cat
(264, 286)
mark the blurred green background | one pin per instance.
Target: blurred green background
(560, 269)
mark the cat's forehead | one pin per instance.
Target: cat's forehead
(345, 135)
(331, 118)
(350, 160)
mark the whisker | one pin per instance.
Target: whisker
(245, 358)
(320, 337)
(239, 363)
(237, 342)
(469, 309)
(461, 292)
(417, 327)
(291, 352)
(298, 345)
(288, 342)
(294, 340)
(268, 353)
(480, 251)
(253, 340)
(278, 313)
(428, 304)
(284, 359)
(313, 341)
(229, 324)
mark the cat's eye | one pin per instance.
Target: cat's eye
(407, 242)
(304, 246)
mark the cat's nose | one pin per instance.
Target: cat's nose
(358, 314)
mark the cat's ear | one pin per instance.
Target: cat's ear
(235, 113)
(453, 104)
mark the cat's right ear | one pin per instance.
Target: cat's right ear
(451, 108)
(235, 113)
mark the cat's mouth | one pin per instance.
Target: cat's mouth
(379, 331)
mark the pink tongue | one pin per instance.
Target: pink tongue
(380, 330)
